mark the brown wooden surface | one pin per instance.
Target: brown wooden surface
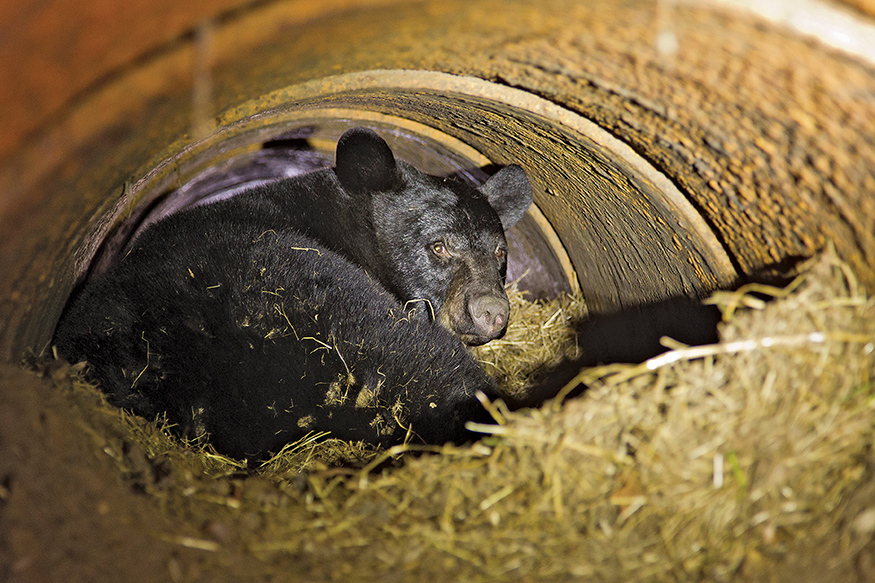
(55, 50)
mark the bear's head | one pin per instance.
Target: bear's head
(440, 242)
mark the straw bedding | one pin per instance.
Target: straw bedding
(740, 460)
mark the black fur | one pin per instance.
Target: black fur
(264, 317)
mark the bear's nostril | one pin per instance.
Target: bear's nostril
(489, 314)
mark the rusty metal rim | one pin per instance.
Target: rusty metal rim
(300, 102)
(596, 137)
(207, 151)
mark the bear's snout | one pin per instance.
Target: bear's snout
(489, 314)
(476, 308)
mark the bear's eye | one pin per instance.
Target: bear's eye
(440, 249)
(500, 253)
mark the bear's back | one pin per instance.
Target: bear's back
(259, 336)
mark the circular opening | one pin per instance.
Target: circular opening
(604, 221)
(632, 239)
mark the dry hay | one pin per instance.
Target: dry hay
(540, 336)
(705, 463)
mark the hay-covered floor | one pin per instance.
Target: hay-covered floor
(750, 459)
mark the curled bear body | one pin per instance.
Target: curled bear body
(333, 302)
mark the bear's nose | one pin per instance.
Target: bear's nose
(489, 314)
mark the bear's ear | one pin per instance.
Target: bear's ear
(364, 163)
(510, 194)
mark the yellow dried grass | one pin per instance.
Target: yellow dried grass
(734, 461)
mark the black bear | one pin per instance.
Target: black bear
(329, 302)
